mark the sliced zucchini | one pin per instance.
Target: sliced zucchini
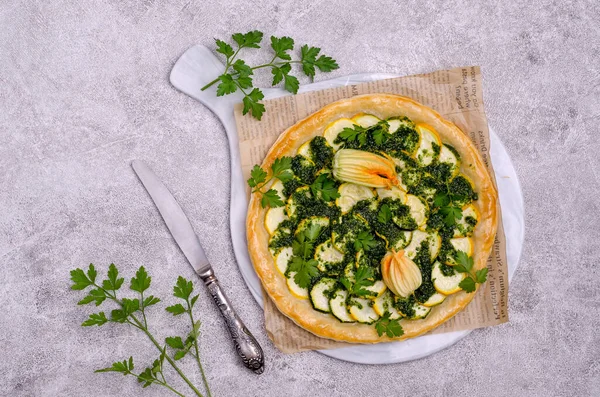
(304, 150)
(313, 220)
(283, 258)
(435, 300)
(418, 236)
(464, 228)
(397, 122)
(349, 272)
(393, 193)
(274, 217)
(350, 194)
(365, 120)
(295, 289)
(338, 306)
(385, 303)
(449, 155)
(361, 310)
(435, 243)
(446, 284)
(319, 292)
(376, 289)
(291, 205)
(464, 244)
(327, 255)
(333, 130)
(421, 311)
(361, 259)
(418, 209)
(429, 145)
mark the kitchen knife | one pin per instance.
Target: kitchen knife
(181, 229)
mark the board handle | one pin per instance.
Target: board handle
(197, 67)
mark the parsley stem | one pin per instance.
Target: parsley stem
(258, 188)
(170, 388)
(158, 382)
(197, 355)
(169, 359)
(227, 66)
(137, 324)
(209, 84)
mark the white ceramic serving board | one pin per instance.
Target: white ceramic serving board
(198, 66)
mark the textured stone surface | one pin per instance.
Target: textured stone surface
(84, 90)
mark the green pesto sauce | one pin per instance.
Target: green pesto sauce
(321, 152)
(447, 271)
(461, 187)
(400, 214)
(281, 240)
(304, 169)
(290, 186)
(441, 172)
(307, 206)
(423, 260)
(405, 305)
(405, 139)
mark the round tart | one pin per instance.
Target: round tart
(387, 222)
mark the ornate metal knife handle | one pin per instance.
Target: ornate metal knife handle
(245, 344)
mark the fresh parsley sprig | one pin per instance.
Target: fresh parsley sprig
(281, 169)
(388, 326)
(132, 311)
(385, 214)
(362, 278)
(356, 133)
(465, 265)
(238, 75)
(325, 188)
(365, 241)
(359, 135)
(302, 263)
(451, 212)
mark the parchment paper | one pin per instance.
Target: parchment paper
(457, 95)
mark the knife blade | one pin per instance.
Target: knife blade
(182, 231)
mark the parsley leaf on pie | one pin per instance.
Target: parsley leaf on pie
(364, 240)
(325, 188)
(302, 247)
(270, 198)
(388, 326)
(385, 214)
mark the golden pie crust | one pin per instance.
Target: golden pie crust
(382, 106)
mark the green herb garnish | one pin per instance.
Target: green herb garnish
(388, 326)
(385, 214)
(446, 206)
(363, 278)
(465, 265)
(356, 133)
(281, 169)
(364, 240)
(325, 188)
(132, 311)
(302, 262)
(238, 75)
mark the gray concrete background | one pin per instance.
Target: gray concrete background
(84, 90)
